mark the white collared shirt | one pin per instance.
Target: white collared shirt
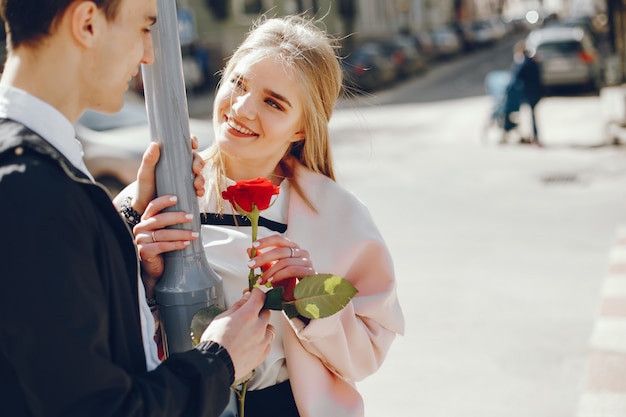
(43, 119)
(56, 129)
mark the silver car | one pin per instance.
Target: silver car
(567, 57)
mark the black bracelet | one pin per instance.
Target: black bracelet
(152, 303)
(211, 348)
(130, 214)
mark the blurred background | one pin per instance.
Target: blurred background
(511, 259)
(420, 50)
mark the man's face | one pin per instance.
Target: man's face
(121, 46)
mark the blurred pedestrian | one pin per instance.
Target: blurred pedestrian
(525, 88)
(76, 333)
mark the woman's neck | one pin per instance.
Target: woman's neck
(246, 171)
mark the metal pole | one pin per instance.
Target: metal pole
(188, 286)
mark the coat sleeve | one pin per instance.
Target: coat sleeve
(354, 342)
(344, 240)
(55, 326)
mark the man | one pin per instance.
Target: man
(72, 308)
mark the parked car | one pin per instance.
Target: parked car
(407, 58)
(367, 68)
(584, 22)
(484, 33)
(567, 57)
(424, 44)
(446, 42)
(466, 35)
(113, 144)
(500, 28)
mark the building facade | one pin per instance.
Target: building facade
(222, 24)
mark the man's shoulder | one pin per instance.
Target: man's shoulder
(13, 134)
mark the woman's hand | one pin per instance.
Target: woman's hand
(145, 186)
(144, 190)
(153, 238)
(281, 260)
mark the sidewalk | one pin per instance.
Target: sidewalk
(613, 107)
(605, 385)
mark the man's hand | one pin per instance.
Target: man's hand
(244, 331)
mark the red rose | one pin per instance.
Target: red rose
(246, 194)
(289, 285)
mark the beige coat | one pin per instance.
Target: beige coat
(328, 355)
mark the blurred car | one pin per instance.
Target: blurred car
(484, 33)
(407, 58)
(500, 28)
(367, 68)
(584, 22)
(567, 57)
(446, 42)
(113, 144)
(424, 44)
(466, 35)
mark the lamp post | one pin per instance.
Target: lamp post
(188, 286)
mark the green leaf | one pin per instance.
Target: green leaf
(274, 299)
(201, 320)
(322, 295)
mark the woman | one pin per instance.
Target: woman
(271, 116)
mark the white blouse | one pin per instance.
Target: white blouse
(226, 251)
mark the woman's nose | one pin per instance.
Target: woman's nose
(243, 106)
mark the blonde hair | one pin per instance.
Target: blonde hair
(311, 55)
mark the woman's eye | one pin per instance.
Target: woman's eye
(237, 83)
(273, 104)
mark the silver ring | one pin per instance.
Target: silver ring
(154, 237)
(293, 252)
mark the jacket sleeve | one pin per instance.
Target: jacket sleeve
(353, 342)
(55, 322)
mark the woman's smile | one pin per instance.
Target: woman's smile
(236, 128)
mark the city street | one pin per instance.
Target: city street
(500, 250)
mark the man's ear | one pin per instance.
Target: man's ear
(84, 18)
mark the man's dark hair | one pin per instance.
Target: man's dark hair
(27, 21)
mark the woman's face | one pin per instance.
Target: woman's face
(259, 114)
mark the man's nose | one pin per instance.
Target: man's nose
(148, 51)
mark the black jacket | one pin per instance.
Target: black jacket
(70, 337)
(526, 77)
